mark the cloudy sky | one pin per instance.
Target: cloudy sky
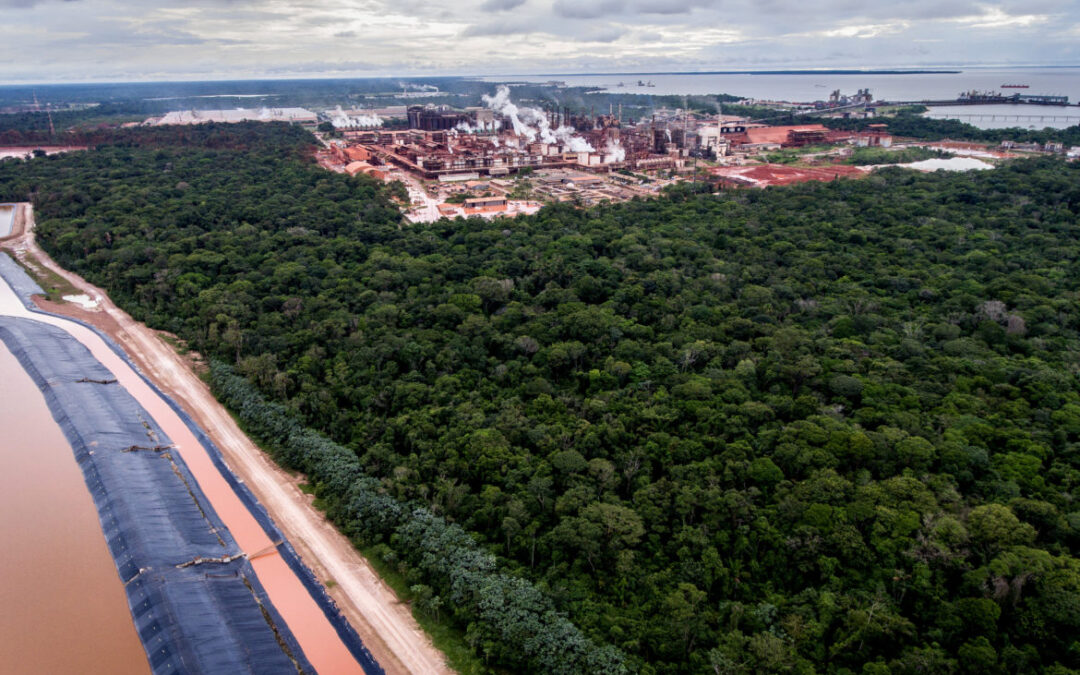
(80, 40)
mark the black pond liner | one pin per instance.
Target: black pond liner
(210, 617)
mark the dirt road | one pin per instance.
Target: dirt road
(385, 625)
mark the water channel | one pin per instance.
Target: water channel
(7, 219)
(65, 610)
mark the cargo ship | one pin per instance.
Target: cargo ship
(1014, 86)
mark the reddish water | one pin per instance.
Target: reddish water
(64, 608)
(317, 637)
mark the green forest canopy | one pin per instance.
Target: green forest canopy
(824, 428)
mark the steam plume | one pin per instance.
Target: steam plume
(614, 152)
(533, 124)
(343, 121)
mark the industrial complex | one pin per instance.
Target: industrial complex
(507, 158)
(503, 158)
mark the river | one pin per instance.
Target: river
(65, 610)
(810, 86)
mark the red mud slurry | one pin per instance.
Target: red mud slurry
(317, 637)
(764, 175)
(63, 606)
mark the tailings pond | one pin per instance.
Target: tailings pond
(317, 637)
(64, 609)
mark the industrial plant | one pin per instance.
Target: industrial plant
(477, 153)
(508, 157)
(502, 138)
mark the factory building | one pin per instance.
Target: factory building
(432, 118)
(484, 202)
(788, 136)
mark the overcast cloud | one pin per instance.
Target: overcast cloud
(76, 40)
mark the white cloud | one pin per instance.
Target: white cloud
(864, 31)
(995, 17)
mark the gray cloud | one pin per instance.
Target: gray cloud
(603, 35)
(322, 67)
(587, 9)
(662, 7)
(499, 27)
(501, 5)
(670, 6)
(26, 4)
(121, 38)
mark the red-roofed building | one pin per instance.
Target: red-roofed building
(485, 202)
(802, 134)
(357, 154)
(354, 168)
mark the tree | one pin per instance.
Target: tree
(995, 526)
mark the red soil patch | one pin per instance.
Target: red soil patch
(764, 175)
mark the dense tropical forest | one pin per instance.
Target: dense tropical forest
(825, 428)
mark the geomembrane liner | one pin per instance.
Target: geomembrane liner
(203, 618)
(193, 614)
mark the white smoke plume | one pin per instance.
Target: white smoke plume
(478, 128)
(500, 103)
(533, 124)
(569, 138)
(368, 120)
(614, 152)
(343, 121)
(264, 114)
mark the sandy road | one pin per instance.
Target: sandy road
(385, 625)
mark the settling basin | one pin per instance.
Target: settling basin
(64, 606)
(327, 645)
